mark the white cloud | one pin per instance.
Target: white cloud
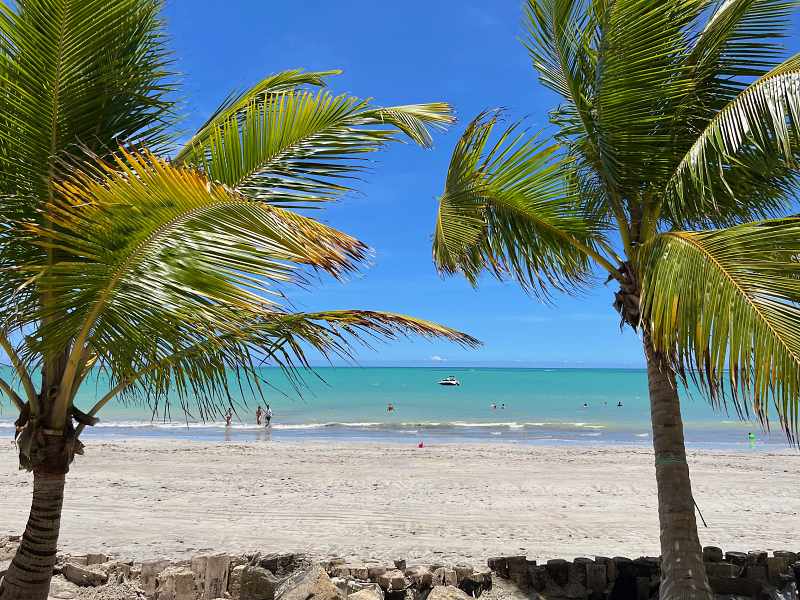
(437, 358)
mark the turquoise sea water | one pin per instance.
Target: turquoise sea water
(540, 406)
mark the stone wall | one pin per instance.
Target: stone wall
(731, 575)
(257, 576)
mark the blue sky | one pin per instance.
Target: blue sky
(467, 53)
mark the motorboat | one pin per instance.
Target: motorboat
(449, 381)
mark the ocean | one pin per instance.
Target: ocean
(530, 406)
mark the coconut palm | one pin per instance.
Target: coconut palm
(677, 132)
(165, 270)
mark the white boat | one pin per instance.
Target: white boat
(450, 381)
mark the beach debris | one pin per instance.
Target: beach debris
(83, 576)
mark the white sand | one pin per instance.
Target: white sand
(147, 499)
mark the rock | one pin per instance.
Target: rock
(77, 559)
(712, 554)
(365, 594)
(149, 573)
(518, 570)
(374, 572)
(722, 569)
(257, 583)
(756, 572)
(117, 570)
(538, 577)
(444, 577)
(359, 571)
(216, 576)
(776, 566)
(735, 586)
(596, 579)
(757, 557)
(611, 570)
(420, 577)
(62, 589)
(477, 582)
(235, 581)
(463, 571)
(354, 586)
(400, 564)
(393, 581)
(308, 584)
(791, 557)
(577, 571)
(499, 565)
(175, 583)
(284, 564)
(447, 592)
(558, 570)
(736, 558)
(84, 576)
(96, 559)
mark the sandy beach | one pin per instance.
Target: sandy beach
(167, 498)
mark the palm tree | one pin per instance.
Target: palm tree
(165, 270)
(677, 132)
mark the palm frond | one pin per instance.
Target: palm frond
(763, 120)
(148, 246)
(724, 307)
(200, 374)
(505, 208)
(263, 92)
(77, 75)
(303, 147)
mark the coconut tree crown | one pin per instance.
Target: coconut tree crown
(676, 117)
(166, 268)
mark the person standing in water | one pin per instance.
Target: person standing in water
(259, 412)
(228, 417)
(268, 416)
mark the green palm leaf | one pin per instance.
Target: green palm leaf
(264, 92)
(505, 208)
(199, 372)
(301, 146)
(723, 305)
(78, 74)
(763, 119)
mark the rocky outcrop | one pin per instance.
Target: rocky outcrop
(731, 574)
(257, 576)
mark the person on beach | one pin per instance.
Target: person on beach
(268, 416)
(751, 438)
(259, 412)
(228, 417)
(390, 407)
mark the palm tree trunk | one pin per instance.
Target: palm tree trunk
(683, 574)
(28, 577)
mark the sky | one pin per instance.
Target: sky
(467, 53)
